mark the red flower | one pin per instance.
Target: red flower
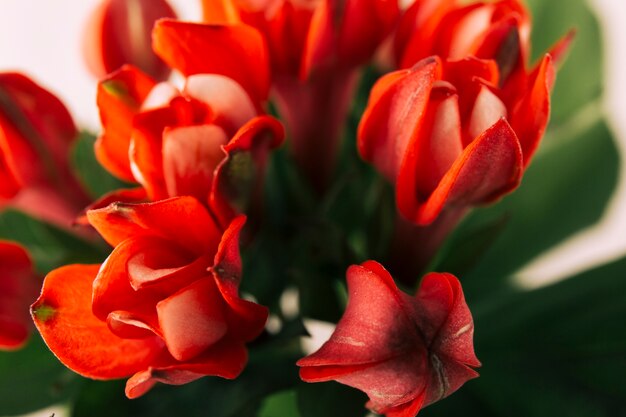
(207, 141)
(490, 30)
(18, 288)
(118, 33)
(446, 136)
(164, 307)
(36, 135)
(403, 352)
(314, 49)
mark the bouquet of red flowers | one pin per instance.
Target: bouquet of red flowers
(372, 168)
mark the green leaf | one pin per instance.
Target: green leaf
(50, 246)
(559, 350)
(96, 180)
(330, 399)
(32, 379)
(282, 404)
(565, 189)
(551, 20)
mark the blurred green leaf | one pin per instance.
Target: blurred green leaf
(93, 176)
(559, 350)
(50, 246)
(580, 80)
(32, 379)
(565, 189)
(330, 399)
(282, 404)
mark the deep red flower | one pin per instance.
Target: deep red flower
(445, 135)
(314, 49)
(36, 135)
(404, 352)
(118, 33)
(163, 307)
(208, 140)
(18, 289)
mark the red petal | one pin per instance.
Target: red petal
(183, 220)
(146, 149)
(439, 142)
(409, 409)
(120, 97)
(192, 319)
(448, 321)
(530, 116)
(489, 167)
(236, 51)
(18, 289)
(376, 325)
(142, 263)
(83, 343)
(131, 195)
(225, 359)
(246, 319)
(398, 101)
(118, 32)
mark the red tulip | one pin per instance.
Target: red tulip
(18, 288)
(207, 141)
(315, 48)
(404, 352)
(36, 136)
(118, 33)
(443, 133)
(164, 307)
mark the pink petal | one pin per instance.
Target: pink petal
(190, 155)
(229, 102)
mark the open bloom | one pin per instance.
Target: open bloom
(314, 49)
(445, 135)
(36, 135)
(118, 33)
(18, 289)
(404, 352)
(208, 140)
(164, 306)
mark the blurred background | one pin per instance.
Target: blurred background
(42, 39)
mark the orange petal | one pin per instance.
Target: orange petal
(183, 220)
(119, 98)
(83, 343)
(236, 51)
